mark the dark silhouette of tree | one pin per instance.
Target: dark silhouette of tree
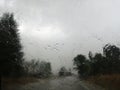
(112, 54)
(11, 56)
(111, 51)
(82, 65)
(79, 60)
(98, 63)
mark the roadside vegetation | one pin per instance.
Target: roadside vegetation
(109, 82)
(101, 68)
(35, 68)
(13, 67)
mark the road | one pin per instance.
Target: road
(62, 83)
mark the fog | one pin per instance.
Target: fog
(58, 30)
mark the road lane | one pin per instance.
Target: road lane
(60, 83)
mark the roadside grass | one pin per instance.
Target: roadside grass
(10, 83)
(109, 82)
(21, 80)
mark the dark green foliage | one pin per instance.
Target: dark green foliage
(11, 56)
(98, 63)
(79, 60)
(82, 65)
(106, 63)
(112, 54)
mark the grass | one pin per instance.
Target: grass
(21, 80)
(109, 82)
(10, 83)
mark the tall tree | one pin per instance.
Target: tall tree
(11, 56)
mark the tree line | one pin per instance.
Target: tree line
(37, 68)
(107, 62)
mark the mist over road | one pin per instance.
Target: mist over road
(61, 83)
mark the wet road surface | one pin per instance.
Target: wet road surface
(61, 83)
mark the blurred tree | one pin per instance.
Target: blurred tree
(112, 54)
(79, 60)
(65, 72)
(62, 71)
(11, 56)
(82, 65)
(98, 63)
(111, 51)
(37, 68)
(44, 69)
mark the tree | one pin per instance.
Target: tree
(98, 63)
(112, 54)
(62, 71)
(82, 65)
(11, 56)
(44, 69)
(79, 60)
(31, 67)
(111, 51)
(37, 68)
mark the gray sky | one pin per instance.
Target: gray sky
(58, 30)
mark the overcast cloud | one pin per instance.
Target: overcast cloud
(58, 30)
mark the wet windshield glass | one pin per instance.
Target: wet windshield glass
(59, 44)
